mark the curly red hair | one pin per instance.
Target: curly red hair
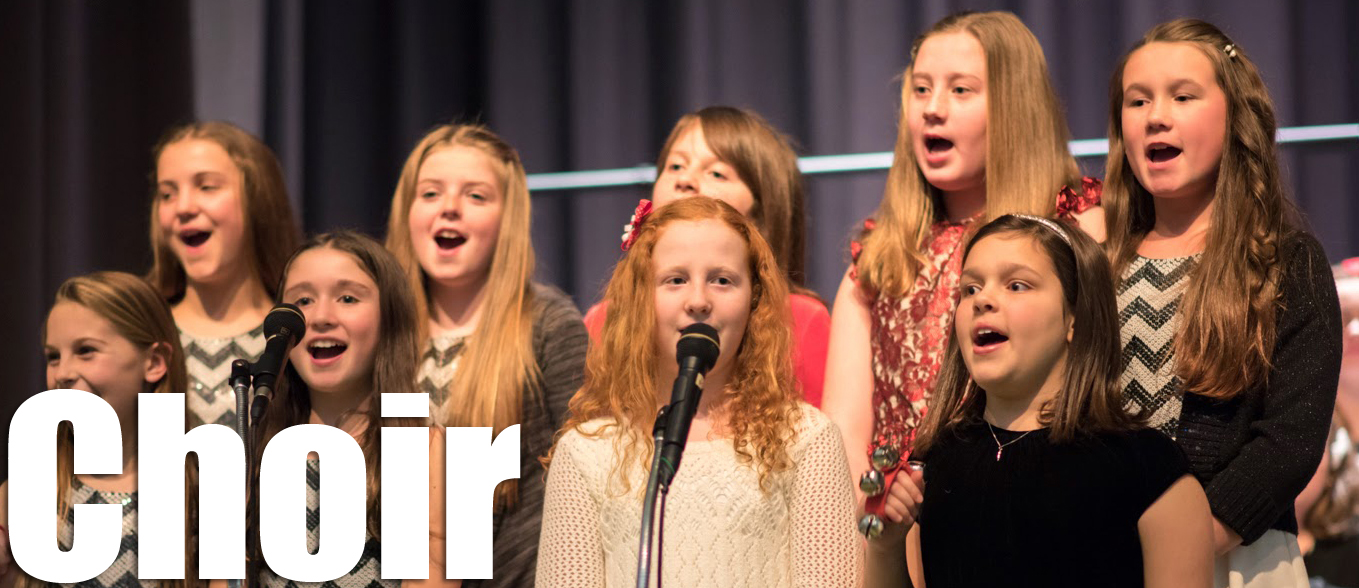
(621, 377)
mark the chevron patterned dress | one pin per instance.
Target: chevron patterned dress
(123, 572)
(366, 572)
(438, 365)
(208, 361)
(1148, 304)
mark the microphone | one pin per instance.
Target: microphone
(284, 326)
(696, 353)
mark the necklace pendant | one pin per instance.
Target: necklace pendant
(998, 450)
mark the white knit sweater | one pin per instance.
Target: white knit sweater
(720, 528)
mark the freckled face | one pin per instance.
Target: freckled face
(702, 274)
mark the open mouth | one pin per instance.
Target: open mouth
(986, 337)
(937, 144)
(326, 349)
(1158, 153)
(448, 240)
(195, 238)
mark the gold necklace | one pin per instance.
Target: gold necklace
(1000, 447)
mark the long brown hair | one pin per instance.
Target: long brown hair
(498, 368)
(1089, 399)
(1027, 158)
(393, 370)
(1227, 338)
(271, 233)
(765, 161)
(138, 314)
(621, 377)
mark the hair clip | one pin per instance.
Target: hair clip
(1230, 50)
(638, 216)
(1049, 224)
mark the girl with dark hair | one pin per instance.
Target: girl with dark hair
(360, 343)
(1034, 475)
(1230, 325)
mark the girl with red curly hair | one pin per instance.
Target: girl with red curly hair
(765, 487)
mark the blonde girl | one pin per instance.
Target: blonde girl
(981, 134)
(497, 349)
(110, 334)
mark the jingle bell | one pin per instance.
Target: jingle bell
(871, 526)
(885, 456)
(872, 482)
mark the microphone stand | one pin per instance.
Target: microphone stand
(653, 482)
(240, 384)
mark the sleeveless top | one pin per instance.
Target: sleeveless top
(1148, 318)
(123, 572)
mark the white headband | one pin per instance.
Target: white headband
(1049, 224)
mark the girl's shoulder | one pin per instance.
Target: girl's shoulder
(549, 298)
(1074, 200)
(812, 427)
(803, 305)
(1300, 250)
(552, 307)
(590, 448)
(1306, 278)
(590, 434)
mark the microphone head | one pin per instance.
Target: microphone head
(286, 320)
(699, 340)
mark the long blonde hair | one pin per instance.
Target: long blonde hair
(1227, 339)
(1027, 158)
(271, 233)
(498, 367)
(139, 314)
(621, 377)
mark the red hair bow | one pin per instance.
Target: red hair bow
(638, 216)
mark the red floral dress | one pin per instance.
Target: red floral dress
(910, 333)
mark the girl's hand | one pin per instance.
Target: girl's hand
(902, 503)
(1224, 538)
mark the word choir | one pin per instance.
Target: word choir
(480, 464)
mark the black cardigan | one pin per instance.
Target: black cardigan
(1255, 452)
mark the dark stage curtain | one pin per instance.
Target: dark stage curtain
(88, 89)
(342, 90)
